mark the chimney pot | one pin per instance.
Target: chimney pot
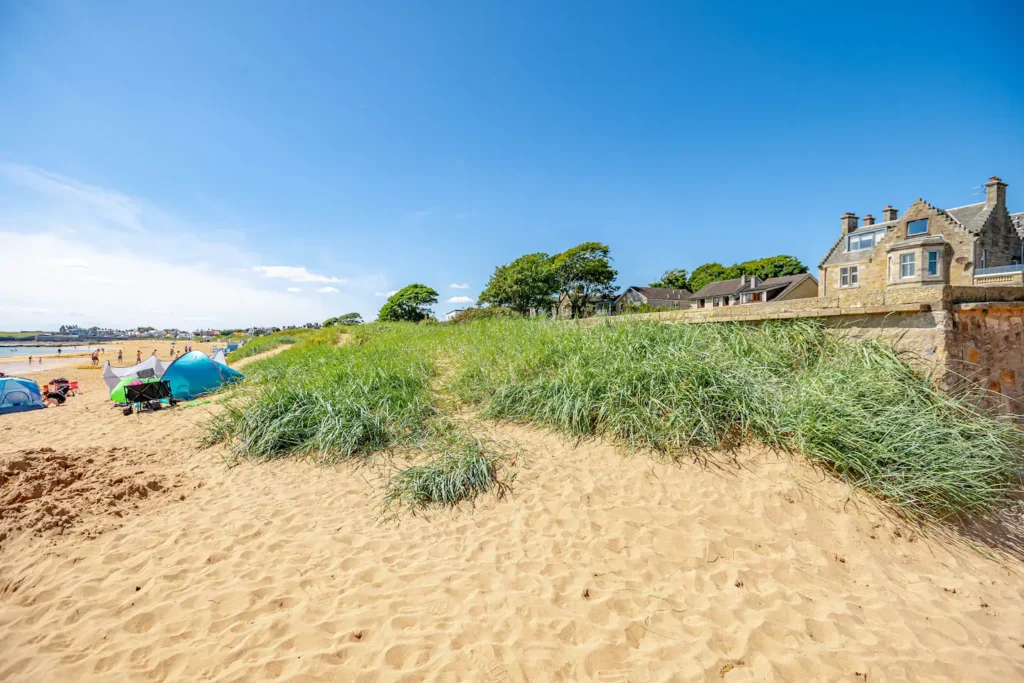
(869, 220)
(849, 223)
(995, 192)
(889, 213)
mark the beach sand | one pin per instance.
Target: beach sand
(167, 564)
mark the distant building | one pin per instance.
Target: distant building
(450, 315)
(595, 306)
(979, 245)
(655, 297)
(745, 290)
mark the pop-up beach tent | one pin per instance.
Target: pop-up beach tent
(18, 395)
(151, 367)
(118, 394)
(195, 374)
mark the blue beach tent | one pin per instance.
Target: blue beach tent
(18, 395)
(194, 374)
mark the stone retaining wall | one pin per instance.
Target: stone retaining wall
(956, 333)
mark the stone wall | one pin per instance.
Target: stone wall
(987, 346)
(954, 333)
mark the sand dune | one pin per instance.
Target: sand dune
(601, 567)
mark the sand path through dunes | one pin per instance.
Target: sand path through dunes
(601, 567)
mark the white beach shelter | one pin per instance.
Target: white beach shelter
(219, 357)
(151, 367)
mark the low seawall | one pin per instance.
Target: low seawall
(955, 333)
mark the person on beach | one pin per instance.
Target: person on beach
(119, 356)
(58, 350)
(138, 356)
(96, 357)
(30, 360)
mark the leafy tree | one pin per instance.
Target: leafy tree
(409, 303)
(673, 279)
(145, 329)
(347, 319)
(773, 266)
(528, 282)
(706, 274)
(764, 268)
(584, 272)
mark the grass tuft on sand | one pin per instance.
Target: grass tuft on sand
(854, 407)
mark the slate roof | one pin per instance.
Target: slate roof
(785, 283)
(719, 288)
(1018, 223)
(838, 255)
(972, 217)
(663, 293)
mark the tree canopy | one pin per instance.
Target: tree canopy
(675, 278)
(585, 272)
(347, 319)
(409, 303)
(528, 282)
(764, 268)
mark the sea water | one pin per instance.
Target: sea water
(6, 351)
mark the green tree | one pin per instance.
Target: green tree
(773, 266)
(347, 319)
(409, 303)
(705, 274)
(673, 279)
(528, 282)
(585, 272)
(764, 268)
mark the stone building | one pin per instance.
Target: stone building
(655, 297)
(753, 290)
(976, 245)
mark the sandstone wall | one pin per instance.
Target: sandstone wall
(954, 333)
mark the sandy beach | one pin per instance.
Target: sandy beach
(127, 552)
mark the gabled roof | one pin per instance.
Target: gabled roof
(1017, 219)
(719, 288)
(785, 283)
(663, 293)
(837, 255)
(972, 217)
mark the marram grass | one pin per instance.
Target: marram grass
(856, 408)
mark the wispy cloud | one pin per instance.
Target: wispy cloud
(327, 290)
(462, 286)
(295, 290)
(389, 294)
(48, 218)
(295, 274)
(460, 300)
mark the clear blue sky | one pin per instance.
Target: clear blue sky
(398, 142)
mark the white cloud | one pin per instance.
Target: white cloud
(462, 286)
(294, 273)
(387, 294)
(99, 240)
(460, 300)
(327, 290)
(295, 290)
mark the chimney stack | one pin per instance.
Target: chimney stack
(889, 213)
(995, 192)
(869, 220)
(849, 223)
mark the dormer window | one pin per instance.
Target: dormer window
(919, 227)
(866, 240)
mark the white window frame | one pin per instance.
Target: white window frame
(859, 239)
(849, 276)
(932, 253)
(905, 261)
(717, 301)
